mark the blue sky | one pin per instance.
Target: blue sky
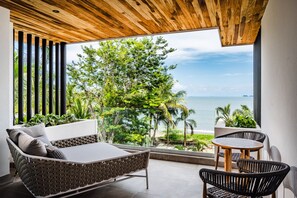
(204, 68)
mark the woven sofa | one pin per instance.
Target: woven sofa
(98, 164)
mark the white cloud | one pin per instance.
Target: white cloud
(74, 49)
(191, 44)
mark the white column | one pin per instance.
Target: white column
(6, 86)
(279, 81)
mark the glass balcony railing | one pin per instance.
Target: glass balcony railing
(145, 128)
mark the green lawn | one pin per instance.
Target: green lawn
(178, 136)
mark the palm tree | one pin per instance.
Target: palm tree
(244, 111)
(224, 113)
(169, 109)
(187, 123)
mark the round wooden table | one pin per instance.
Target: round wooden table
(244, 145)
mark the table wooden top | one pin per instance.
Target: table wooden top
(237, 143)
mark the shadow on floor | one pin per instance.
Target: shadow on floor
(166, 179)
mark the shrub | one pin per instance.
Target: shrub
(174, 135)
(199, 146)
(51, 119)
(240, 117)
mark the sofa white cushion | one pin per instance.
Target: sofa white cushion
(92, 152)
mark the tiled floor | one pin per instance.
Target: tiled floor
(166, 179)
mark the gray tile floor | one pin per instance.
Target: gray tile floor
(166, 179)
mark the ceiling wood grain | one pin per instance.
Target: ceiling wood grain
(238, 21)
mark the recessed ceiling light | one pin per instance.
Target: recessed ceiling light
(56, 11)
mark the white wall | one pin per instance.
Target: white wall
(6, 76)
(279, 77)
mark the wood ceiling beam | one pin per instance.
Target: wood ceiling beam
(238, 21)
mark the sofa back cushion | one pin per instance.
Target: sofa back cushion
(30, 145)
(37, 131)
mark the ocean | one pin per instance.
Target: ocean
(205, 109)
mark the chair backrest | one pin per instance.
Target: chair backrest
(274, 154)
(261, 178)
(268, 175)
(252, 135)
(290, 182)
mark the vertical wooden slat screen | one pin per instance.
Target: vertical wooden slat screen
(63, 78)
(53, 83)
(20, 77)
(50, 81)
(36, 78)
(43, 59)
(57, 62)
(29, 76)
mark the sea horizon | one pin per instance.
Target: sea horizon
(205, 106)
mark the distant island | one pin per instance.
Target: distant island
(247, 96)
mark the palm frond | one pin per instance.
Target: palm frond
(218, 118)
(192, 111)
(192, 122)
(192, 130)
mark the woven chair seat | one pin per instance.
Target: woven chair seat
(235, 156)
(215, 192)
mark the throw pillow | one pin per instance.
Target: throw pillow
(31, 146)
(13, 135)
(37, 131)
(54, 152)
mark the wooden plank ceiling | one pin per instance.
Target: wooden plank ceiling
(71, 21)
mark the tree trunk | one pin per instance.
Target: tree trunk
(155, 131)
(185, 134)
(167, 134)
(151, 127)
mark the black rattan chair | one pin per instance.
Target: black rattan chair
(257, 178)
(252, 135)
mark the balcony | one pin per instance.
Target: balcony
(274, 66)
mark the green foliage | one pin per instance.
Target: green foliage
(80, 109)
(126, 84)
(188, 123)
(174, 135)
(224, 113)
(67, 118)
(200, 141)
(51, 119)
(244, 118)
(199, 146)
(36, 119)
(124, 125)
(123, 73)
(240, 117)
(177, 136)
(179, 147)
